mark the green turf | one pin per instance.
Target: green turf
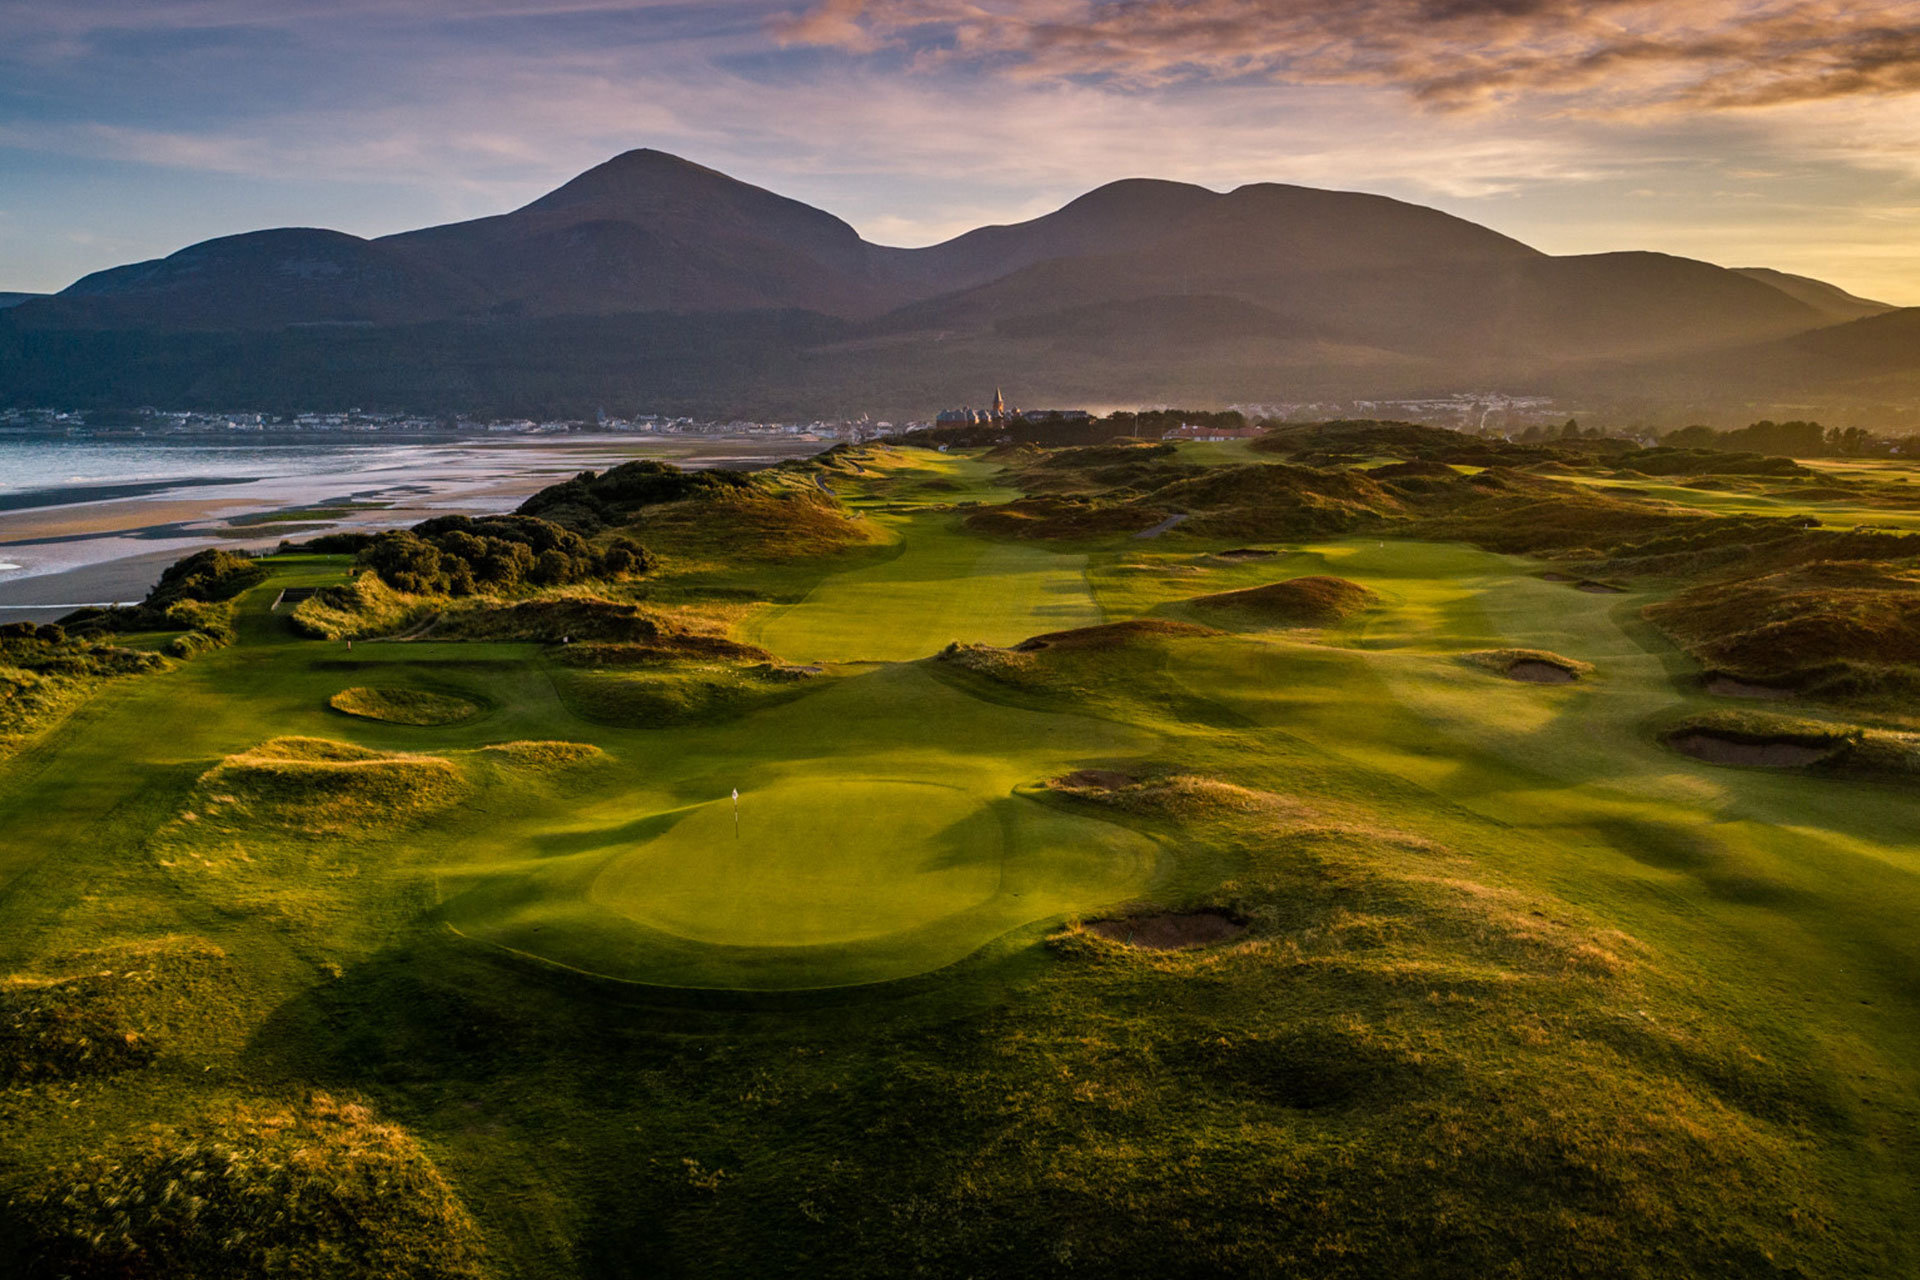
(1523, 991)
(942, 587)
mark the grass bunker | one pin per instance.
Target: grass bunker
(1297, 602)
(423, 708)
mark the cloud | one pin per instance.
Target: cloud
(1594, 56)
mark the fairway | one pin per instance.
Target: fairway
(942, 587)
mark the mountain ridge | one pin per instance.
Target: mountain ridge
(1144, 283)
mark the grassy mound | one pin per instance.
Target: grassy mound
(421, 707)
(366, 606)
(195, 596)
(108, 1010)
(207, 576)
(1279, 501)
(672, 694)
(1065, 516)
(318, 786)
(1110, 635)
(590, 502)
(44, 675)
(544, 757)
(1530, 666)
(754, 526)
(1297, 602)
(1845, 629)
(315, 1189)
(595, 620)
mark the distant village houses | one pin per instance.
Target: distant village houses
(1002, 414)
(1211, 435)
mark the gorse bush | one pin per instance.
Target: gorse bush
(207, 576)
(460, 556)
(195, 595)
(590, 502)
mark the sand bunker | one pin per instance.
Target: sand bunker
(1778, 753)
(1534, 672)
(1245, 553)
(1171, 931)
(1599, 588)
(1530, 666)
(1558, 577)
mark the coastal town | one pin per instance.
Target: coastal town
(1479, 413)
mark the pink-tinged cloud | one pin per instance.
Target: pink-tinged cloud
(1599, 56)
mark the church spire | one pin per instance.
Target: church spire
(999, 404)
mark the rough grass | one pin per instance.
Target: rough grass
(45, 677)
(320, 787)
(1297, 602)
(577, 617)
(753, 526)
(421, 707)
(1110, 635)
(1849, 630)
(367, 606)
(544, 757)
(681, 693)
(317, 1188)
(109, 1009)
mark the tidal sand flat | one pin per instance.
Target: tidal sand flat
(94, 523)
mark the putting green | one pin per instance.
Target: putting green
(833, 883)
(942, 587)
(808, 864)
(882, 834)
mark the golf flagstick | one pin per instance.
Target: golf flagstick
(736, 813)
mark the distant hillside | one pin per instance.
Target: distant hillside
(745, 300)
(1831, 300)
(261, 280)
(15, 299)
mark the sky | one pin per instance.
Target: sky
(1782, 133)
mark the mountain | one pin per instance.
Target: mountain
(1139, 289)
(647, 231)
(1874, 358)
(261, 280)
(15, 299)
(1831, 300)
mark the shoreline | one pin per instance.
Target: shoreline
(103, 541)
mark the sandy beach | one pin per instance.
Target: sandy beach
(104, 541)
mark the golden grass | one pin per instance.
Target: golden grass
(321, 787)
(542, 757)
(316, 1188)
(109, 1009)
